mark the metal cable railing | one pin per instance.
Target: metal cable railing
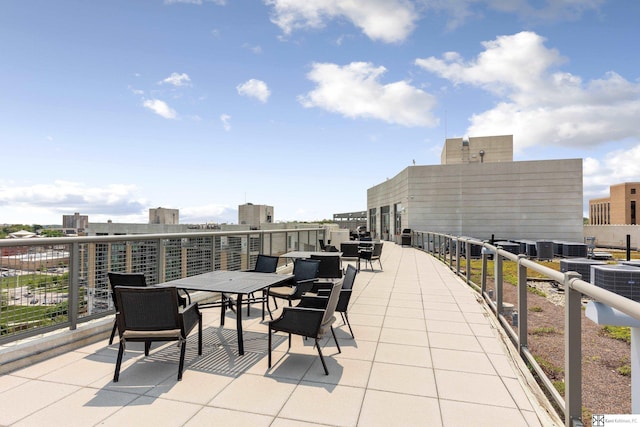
(53, 283)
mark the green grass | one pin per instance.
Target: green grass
(536, 309)
(621, 333)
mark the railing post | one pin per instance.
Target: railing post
(483, 277)
(74, 285)
(467, 260)
(498, 281)
(522, 304)
(572, 352)
(458, 257)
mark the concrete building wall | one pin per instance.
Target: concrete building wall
(254, 215)
(518, 200)
(614, 236)
(481, 149)
(164, 216)
(621, 207)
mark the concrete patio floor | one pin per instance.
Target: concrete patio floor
(426, 353)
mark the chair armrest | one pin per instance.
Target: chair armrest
(298, 320)
(319, 287)
(313, 301)
(190, 317)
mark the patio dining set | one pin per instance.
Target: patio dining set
(318, 286)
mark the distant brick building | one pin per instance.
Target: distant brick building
(617, 209)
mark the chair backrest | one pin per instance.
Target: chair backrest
(329, 266)
(125, 279)
(305, 269)
(322, 245)
(377, 250)
(147, 309)
(266, 264)
(349, 277)
(332, 302)
(349, 250)
(346, 290)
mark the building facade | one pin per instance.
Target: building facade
(164, 216)
(254, 215)
(620, 208)
(481, 197)
(76, 221)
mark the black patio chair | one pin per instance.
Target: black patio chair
(329, 266)
(138, 280)
(312, 318)
(349, 251)
(264, 264)
(153, 314)
(305, 274)
(371, 253)
(345, 294)
(122, 279)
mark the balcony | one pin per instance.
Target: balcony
(428, 351)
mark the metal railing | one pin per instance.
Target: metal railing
(55, 283)
(451, 250)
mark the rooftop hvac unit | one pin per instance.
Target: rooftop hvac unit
(574, 250)
(528, 247)
(632, 263)
(557, 248)
(622, 279)
(544, 249)
(512, 247)
(579, 265)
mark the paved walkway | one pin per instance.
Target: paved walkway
(426, 353)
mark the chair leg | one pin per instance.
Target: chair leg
(113, 331)
(147, 347)
(116, 375)
(200, 334)
(183, 350)
(269, 347)
(346, 317)
(335, 339)
(324, 365)
(266, 299)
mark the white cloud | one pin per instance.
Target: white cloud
(255, 89)
(460, 11)
(354, 90)
(66, 197)
(177, 79)
(389, 21)
(226, 121)
(538, 105)
(161, 108)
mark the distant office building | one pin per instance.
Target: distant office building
(76, 221)
(619, 208)
(164, 216)
(479, 191)
(254, 215)
(351, 220)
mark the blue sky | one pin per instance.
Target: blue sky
(109, 108)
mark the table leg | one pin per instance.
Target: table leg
(239, 324)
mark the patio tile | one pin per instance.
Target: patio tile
(461, 361)
(253, 393)
(405, 323)
(83, 408)
(208, 416)
(409, 313)
(199, 388)
(404, 336)
(382, 409)
(455, 328)
(151, 411)
(447, 316)
(459, 414)
(403, 379)
(403, 355)
(30, 397)
(454, 341)
(473, 388)
(343, 371)
(340, 404)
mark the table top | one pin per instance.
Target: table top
(307, 254)
(233, 282)
(360, 242)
